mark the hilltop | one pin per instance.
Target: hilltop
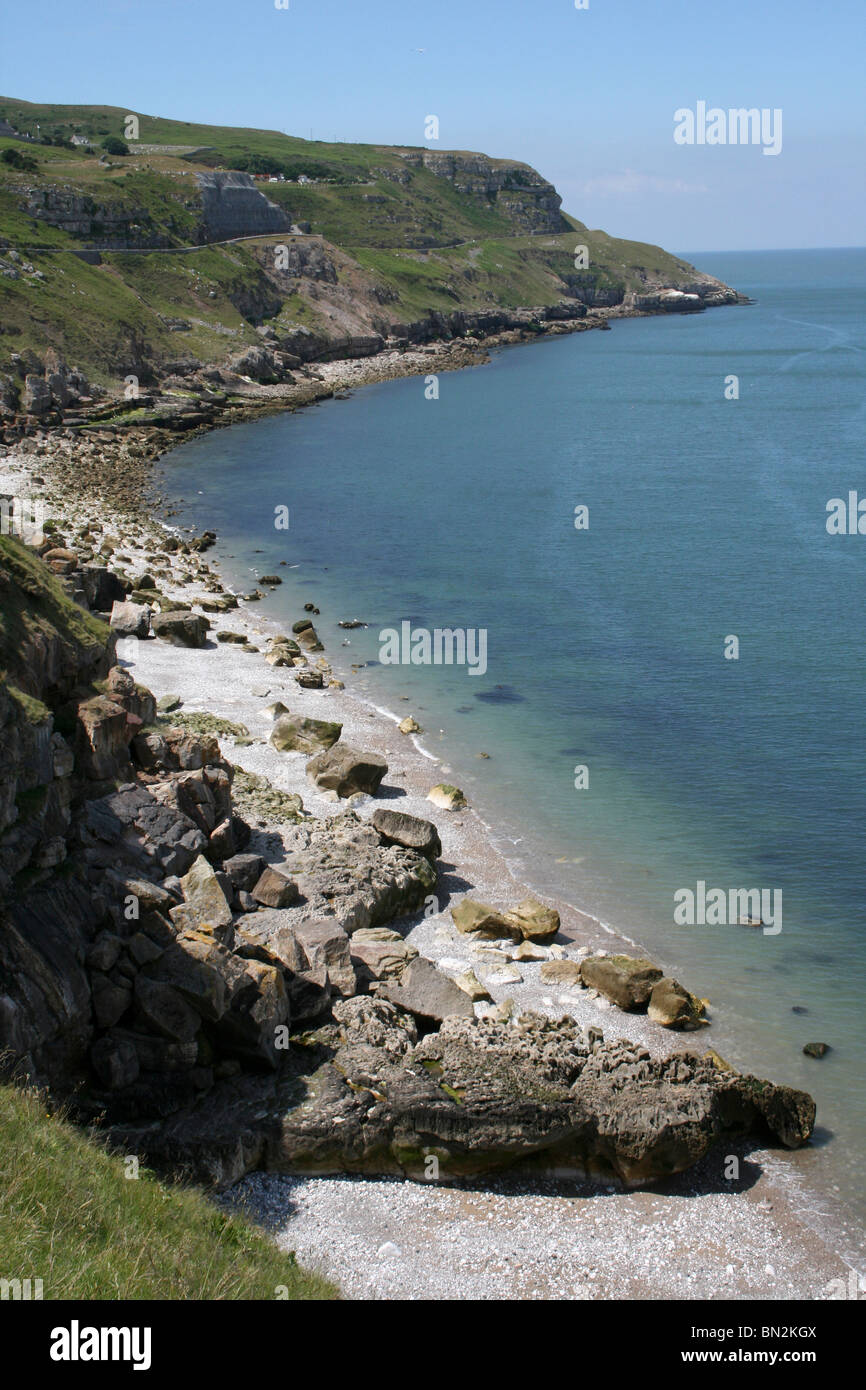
(130, 262)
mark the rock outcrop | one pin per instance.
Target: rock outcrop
(478, 1096)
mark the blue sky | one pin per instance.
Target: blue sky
(586, 96)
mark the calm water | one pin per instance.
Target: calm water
(606, 646)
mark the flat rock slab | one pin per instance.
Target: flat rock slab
(427, 994)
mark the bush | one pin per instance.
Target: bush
(16, 160)
(113, 145)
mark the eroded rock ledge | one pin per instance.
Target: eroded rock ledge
(365, 1096)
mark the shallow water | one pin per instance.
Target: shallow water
(605, 647)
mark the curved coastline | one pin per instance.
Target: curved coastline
(164, 669)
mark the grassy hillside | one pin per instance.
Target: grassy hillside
(70, 1217)
(402, 239)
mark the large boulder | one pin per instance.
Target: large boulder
(326, 945)
(296, 733)
(181, 629)
(259, 1006)
(380, 954)
(204, 898)
(195, 968)
(130, 619)
(104, 733)
(471, 916)
(626, 981)
(398, 828)
(273, 889)
(427, 994)
(165, 1010)
(671, 1005)
(346, 771)
(344, 871)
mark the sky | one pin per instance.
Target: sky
(587, 96)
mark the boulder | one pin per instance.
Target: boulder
(626, 981)
(534, 921)
(398, 828)
(195, 968)
(165, 1010)
(674, 1007)
(204, 897)
(104, 732)
(427, 994)
(295, 732)
(476, 917)
(448, 797)
(244, 870)
(346, 771)
(409, 725)
(308, 679)
(115, 1062)
(816, 1049)
(274, 889)
(110, 998)
(560, 972)
(130, 619)
(326, 945)
(269, 936)
(380, 954)
(259, 1005)
(181, 629)
(344, 871)
(309, 994)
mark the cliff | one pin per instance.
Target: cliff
(116, 260)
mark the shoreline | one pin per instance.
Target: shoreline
(202, 678)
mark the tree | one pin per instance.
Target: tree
(112, 145)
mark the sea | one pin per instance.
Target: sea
(652, 535)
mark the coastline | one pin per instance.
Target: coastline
(759, 1219)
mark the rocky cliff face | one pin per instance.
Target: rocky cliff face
(82, 217)
(233, 206)
(517, 190)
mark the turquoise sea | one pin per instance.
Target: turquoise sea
(606, 646)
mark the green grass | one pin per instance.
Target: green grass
(386, 225)
(70, 1217)
(35, 606)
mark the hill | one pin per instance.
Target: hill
(132, 263)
